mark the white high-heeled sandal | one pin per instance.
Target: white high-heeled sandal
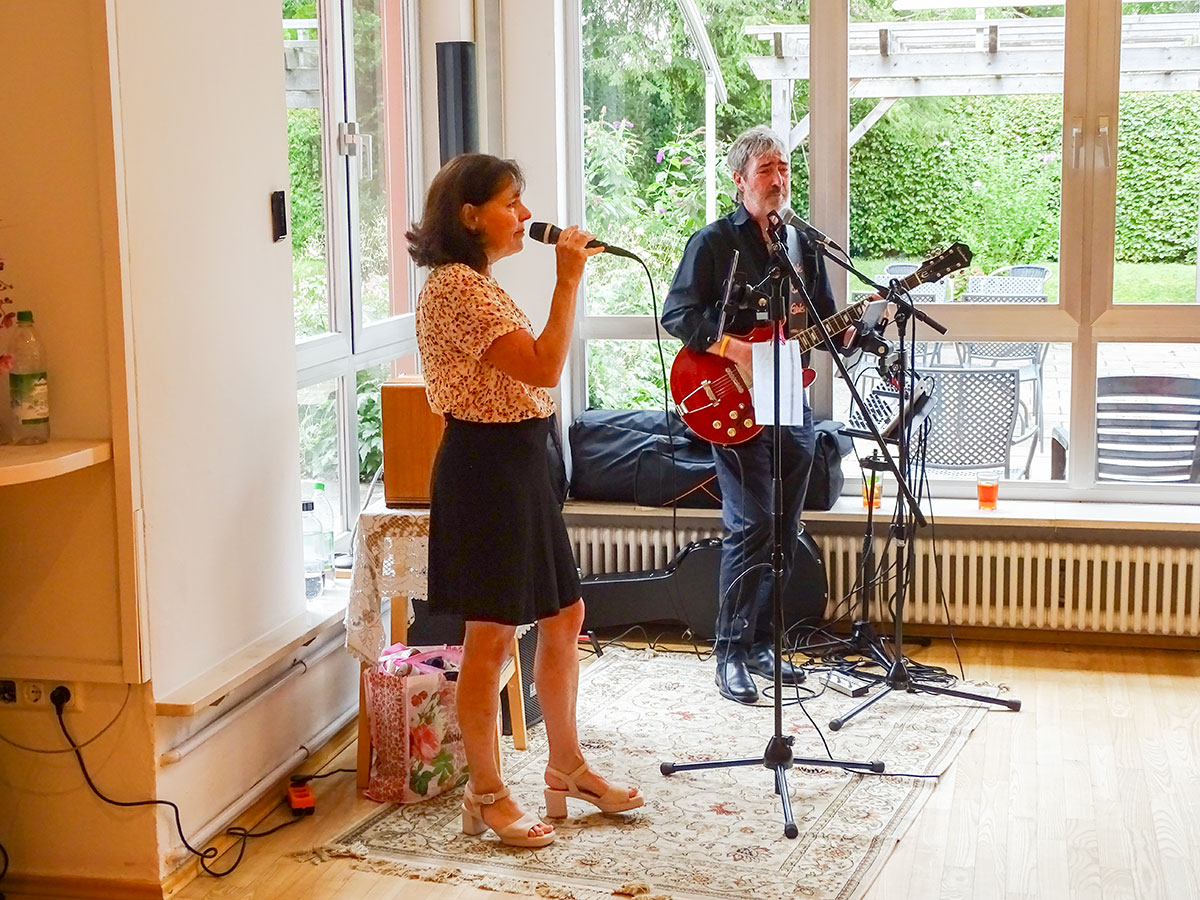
(615, 799)
(515, 834)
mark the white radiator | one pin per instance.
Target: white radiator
(603, 550)
(1112, 588)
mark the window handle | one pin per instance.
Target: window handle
(366, 158)
(1104, 140)
(1076, 141)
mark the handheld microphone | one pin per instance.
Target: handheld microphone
(788, 216)
(546, 233)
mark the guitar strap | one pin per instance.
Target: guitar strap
(796, 255)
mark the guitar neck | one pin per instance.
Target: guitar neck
(835, 324)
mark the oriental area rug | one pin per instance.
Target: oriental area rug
(715, 833)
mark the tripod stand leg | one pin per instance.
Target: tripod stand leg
(670, 768)
(875, 765)
(919, 687)
(789, 823)
(836, 724)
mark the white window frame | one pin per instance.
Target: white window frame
(352, 345)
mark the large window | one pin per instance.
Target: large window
(350, 145)
(1059, 142)
(656, 128)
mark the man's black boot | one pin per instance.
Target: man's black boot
(761, 661)
(733, 677)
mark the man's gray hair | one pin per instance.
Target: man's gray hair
(751, 143)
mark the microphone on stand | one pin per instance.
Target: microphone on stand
(788, 216)
(546, 233)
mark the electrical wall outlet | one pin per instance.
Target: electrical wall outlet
(35, 695)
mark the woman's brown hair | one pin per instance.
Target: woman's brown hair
(440, 237)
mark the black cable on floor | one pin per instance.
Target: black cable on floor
(204, 855)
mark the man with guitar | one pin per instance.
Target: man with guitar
(759, 163)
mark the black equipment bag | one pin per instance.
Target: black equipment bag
(825, 481)
(626, 456)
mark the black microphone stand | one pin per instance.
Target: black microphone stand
(778, 755)
(897, 676)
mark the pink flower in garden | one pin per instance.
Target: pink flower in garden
(661, 153)
(424, 742)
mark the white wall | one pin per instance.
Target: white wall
(202, 120)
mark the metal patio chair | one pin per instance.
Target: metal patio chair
(976, 424)
(1148, 429)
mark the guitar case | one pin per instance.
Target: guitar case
(686, 591)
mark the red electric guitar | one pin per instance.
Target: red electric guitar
(714, 400)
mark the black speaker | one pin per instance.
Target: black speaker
(458, 103)
(527, 647)
(686, 591)
(429, 629)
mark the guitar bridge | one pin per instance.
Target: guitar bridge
(705, 387)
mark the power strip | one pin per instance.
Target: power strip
(845, 684)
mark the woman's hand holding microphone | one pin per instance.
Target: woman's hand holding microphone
(571, 253)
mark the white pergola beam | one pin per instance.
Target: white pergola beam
(1014, 85)
(799, 134)
(977, 64)
(877, 112)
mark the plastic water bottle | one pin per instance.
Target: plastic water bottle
(324, 512)
(27, 384)
(314, 561)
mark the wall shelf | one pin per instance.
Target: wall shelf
(21, 463)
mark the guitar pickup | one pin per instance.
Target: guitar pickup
(736, 377)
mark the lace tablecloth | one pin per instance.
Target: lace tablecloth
(390, 560)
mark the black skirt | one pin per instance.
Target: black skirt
(498, 548)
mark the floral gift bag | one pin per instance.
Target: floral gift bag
(416, 744)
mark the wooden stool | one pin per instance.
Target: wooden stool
(510, 678)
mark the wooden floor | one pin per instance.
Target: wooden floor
(1091, 791)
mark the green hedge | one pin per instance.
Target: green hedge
(987, 170)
